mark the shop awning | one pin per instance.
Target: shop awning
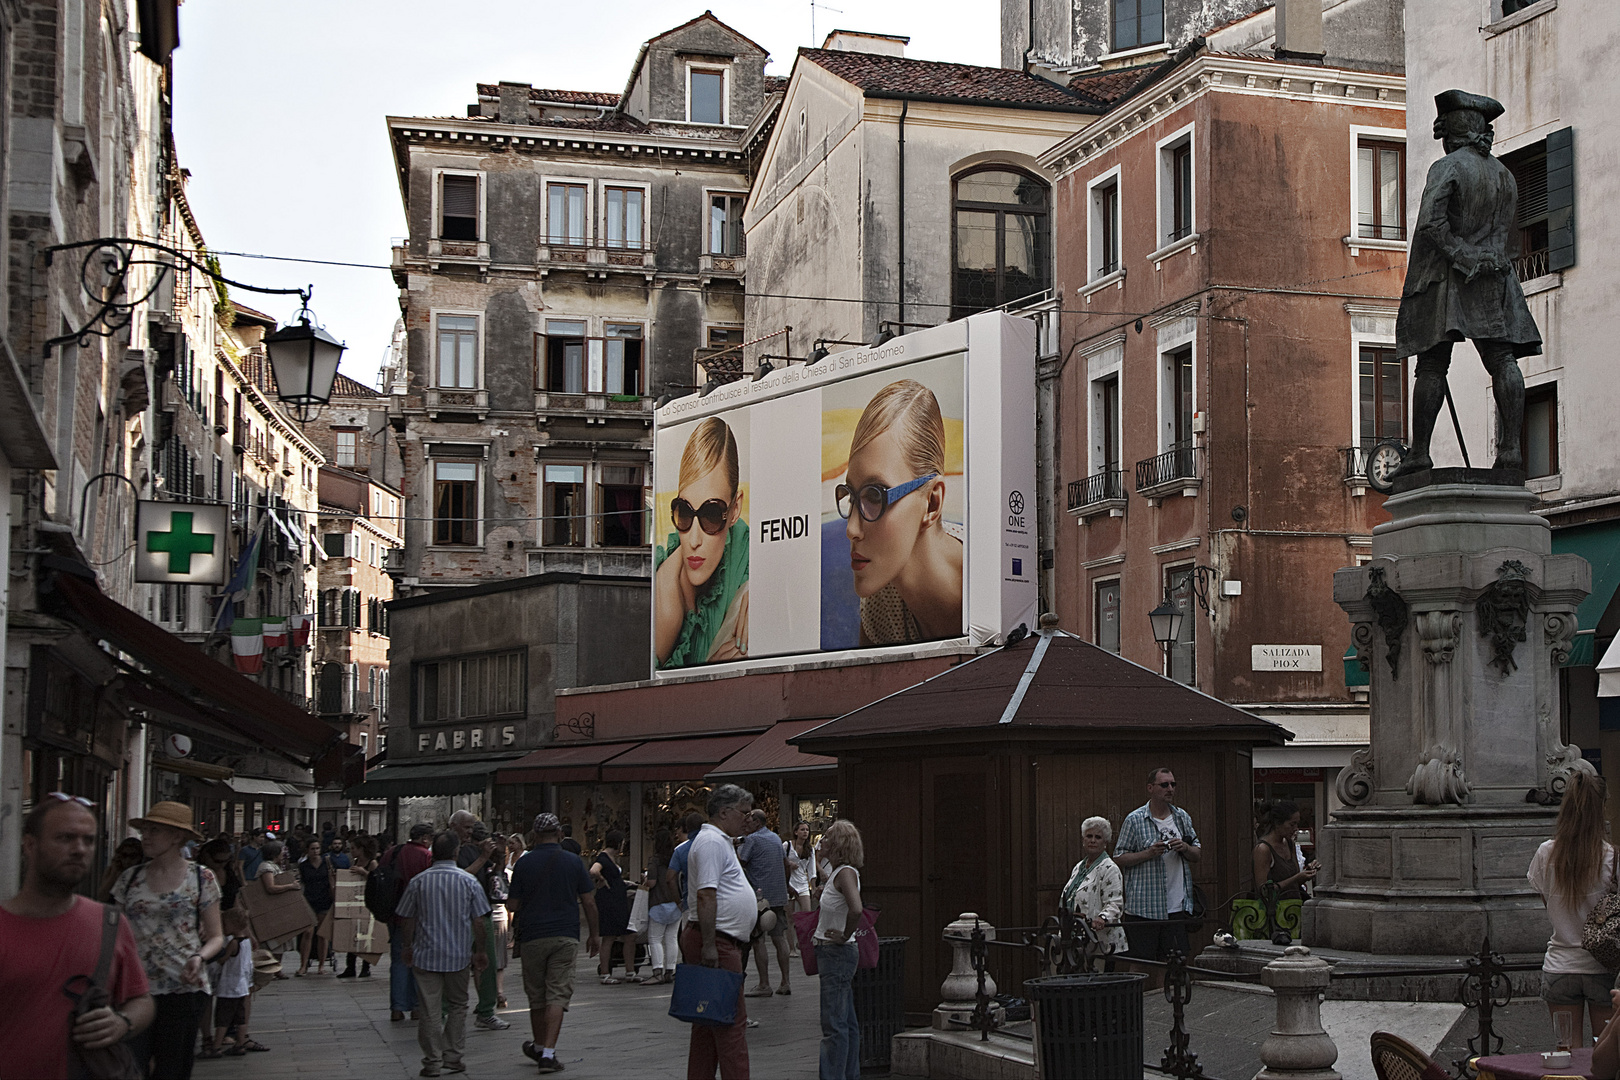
(248, 785)
(1608, 671)
(771, 754)
(1598, 544)
(569, 763)
(237, 704)
(675, 759)
(406, 779)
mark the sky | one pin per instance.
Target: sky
(280, 107)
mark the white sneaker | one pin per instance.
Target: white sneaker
(491, 1023)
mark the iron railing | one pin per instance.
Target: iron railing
(1180, 462)
(1066, 945)
(1532, 264)
(1098, 487)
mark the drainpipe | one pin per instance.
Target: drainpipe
(905, 106)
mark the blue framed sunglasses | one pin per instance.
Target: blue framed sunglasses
(874, 500)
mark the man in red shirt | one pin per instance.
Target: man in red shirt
(410, 859)
(48, 936)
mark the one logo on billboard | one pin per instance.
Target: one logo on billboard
(1015, 510)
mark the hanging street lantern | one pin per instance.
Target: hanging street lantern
(304, 358)
(1166, 619)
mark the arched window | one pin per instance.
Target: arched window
(1002, 244)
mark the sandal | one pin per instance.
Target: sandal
(210, 1052)
(612, 980)
(256, 1047)
(236, 1051)
(500, 1002)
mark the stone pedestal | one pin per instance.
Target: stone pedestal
(1298, 1048)
(1462, 618)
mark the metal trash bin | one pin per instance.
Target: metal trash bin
(880, 1002)
(1088, 1025)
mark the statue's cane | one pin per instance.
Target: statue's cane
(1456, 426)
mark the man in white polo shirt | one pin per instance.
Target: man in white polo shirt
(723, 910)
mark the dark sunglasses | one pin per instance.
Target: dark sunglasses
(711, 515)
(874, 499)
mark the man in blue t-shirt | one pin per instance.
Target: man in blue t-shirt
(688, 828)
(548, 887)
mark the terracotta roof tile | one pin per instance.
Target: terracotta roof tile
(343, 386)
(1108, 87)
(896, 75)
(775, 84)
(557, 97)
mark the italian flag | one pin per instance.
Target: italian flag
(298, 628)
(247, 645)
(275, 631)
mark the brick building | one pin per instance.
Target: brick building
(569, 253)
(1222, 385)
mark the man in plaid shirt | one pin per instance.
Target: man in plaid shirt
(1157, 847)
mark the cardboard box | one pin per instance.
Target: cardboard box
(277, 915)
(355, 928)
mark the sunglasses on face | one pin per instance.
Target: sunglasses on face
(711, 516)
(874, 500)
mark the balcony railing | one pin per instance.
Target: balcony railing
(336, 699)
(1533, 264)
(1177, 464)
(1104, 486)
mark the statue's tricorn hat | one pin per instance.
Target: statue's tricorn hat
(1453, 100)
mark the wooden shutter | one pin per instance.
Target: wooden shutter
(461, 196)
(1561, 199)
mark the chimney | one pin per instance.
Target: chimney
(1299, 31)
(857, 41)
(514, 107)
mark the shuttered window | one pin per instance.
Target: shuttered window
(1545, 175)
(458, 207)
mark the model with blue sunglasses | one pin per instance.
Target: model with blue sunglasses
(907, 564)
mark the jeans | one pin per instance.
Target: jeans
(171, 1040)
(840, 1030)
(401, 987)
(442, 1040)
(663, 944)
(1151, 940)
(714, 1047)
(486, 978)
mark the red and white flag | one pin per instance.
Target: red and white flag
(298, 628)
(247, 645)
(275, 631)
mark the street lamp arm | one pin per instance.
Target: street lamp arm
(104, 270)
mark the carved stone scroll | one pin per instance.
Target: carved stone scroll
(1439, 778)
(1354, 785)
(1439, 632)
(1560, 629)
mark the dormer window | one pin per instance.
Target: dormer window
(706, 95)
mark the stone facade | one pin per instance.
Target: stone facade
(568, 254)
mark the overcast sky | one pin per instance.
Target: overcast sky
(279, 111)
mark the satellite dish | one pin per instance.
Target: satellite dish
(177, 745)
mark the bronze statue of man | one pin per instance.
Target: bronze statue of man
(1460, 281)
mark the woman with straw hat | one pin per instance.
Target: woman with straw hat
(173, 908)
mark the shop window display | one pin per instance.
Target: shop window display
(594, 810)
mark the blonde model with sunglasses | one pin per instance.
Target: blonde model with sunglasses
(700, 590)
(907, 560)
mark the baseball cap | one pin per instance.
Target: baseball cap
(547, 823)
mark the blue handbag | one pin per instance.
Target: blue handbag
(705, 995)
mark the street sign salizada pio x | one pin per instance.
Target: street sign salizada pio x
(181, 543)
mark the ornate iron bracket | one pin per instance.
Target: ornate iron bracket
(1065, 944)
(1178, 1060)
(983, 1020)
(104, 273)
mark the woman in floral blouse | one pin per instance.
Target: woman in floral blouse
(173, 908)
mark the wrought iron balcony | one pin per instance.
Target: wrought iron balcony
(1532, 264)
(1102, 492)
(1174, 470)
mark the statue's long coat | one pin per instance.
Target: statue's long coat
(1469, 205)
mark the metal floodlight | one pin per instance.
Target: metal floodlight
(764, 368)
(708, 388)
(817, 354)
(304, 358)
(1166, 619)
(884, 335)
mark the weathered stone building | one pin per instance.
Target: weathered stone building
(568, 254)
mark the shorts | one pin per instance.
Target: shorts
(230, 1012)
(548, 970)
(1576, 989)
(781, 927)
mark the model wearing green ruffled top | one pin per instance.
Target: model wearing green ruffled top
(700, 590)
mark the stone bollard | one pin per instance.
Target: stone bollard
(1298, 1048)
(960, 989)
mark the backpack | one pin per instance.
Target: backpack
(382, 886)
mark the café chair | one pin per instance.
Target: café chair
(1394, 1058)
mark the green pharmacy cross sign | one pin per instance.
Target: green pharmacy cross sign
(181, 543)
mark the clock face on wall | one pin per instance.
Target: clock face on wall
(1381, 466)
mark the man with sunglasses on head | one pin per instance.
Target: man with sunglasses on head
(1157, 847)
(50, 946)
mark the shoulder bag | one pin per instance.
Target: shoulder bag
(113, 1062)
(1601, 935)
(705, 995)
